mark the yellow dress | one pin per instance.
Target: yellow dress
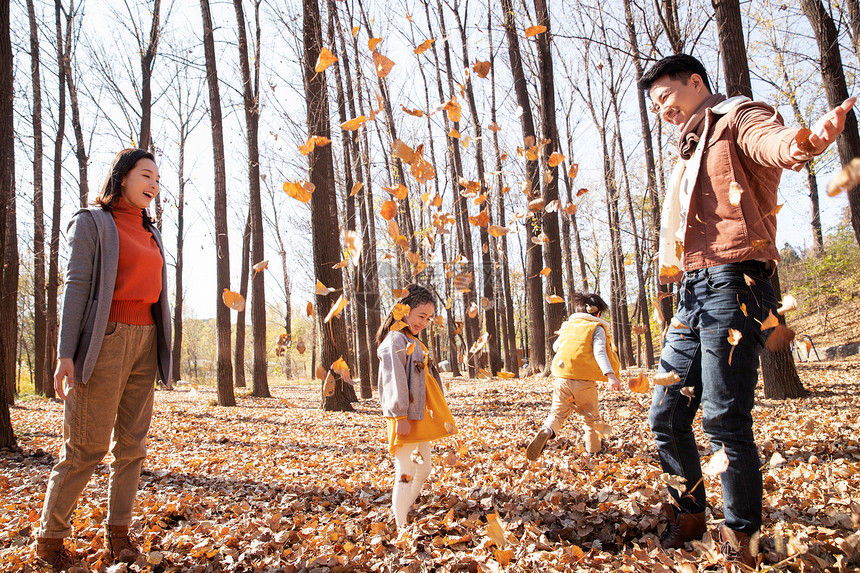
(438, 421)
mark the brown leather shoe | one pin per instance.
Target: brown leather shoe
(682, 528)
(735, 547)
(120, 546)
(52, 551)
(537, 444)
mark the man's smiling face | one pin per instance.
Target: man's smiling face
(677, 100)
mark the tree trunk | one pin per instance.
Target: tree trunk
(239, 344)
(80, 148)
(8, 230)
(222, 245)
(326, 242)
(833, 74)
(147, 63)
(778, 370)
(853, 7)
(251, 101)
(40, 375)
(180, 249)
(534, 257)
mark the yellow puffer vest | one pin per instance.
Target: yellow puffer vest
(575, 355)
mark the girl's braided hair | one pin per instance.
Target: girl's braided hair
(416, 296)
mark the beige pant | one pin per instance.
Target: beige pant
(580, 395)
(112, 411)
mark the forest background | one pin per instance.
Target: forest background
(317, 157)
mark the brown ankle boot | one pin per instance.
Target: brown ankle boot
(120, 546)
(735, 547)
(682, 527)
(52, 551)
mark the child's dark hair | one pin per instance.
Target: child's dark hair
(416, 296)
(588, 302)
(677, 67)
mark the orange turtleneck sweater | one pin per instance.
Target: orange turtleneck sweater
(138, 274)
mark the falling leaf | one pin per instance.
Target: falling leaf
(355, 30)
(789, 303)
(846, 179)
(534, 31)
(356, 187)
(688, 392)
(261, 266)
(325, 59)
(424, 46)
(495, 531)
(581, 192)
(353, 124)
(570, 209)
(718, 463)
(382, 64)
(678, 324)
(402, 151)
(352, 241)
(481, 68)
(398, 191)
(340, 366)
(677, 483)
(373, 42)
(300, 347)
(453, 109)
(734, 337)
(735, 192)
(639, 383)
(776, 460)
(388, 210)
(801, 138)
(482, 219)
(496, 231)
(494, 127)
(336, 309)
(555, 159)
(770, 321)
(329, 385)
(463, 282)
(760, 244)
(233, 300)
(410, 349)
(574, 169)
(545, 271)
(321, 372)
(505, 375)
(400, 310)
(397, 326)
(299, 190)
(412, 112)
(780, 338)
(553, 299)
(666, 378)
(400, 292)
(775, 210)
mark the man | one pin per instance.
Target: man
(717, 235)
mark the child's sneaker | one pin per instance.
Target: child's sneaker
(537, 445)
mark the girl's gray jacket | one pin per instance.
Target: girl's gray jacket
(90, 279)
(402, 389)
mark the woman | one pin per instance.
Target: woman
(114, 343)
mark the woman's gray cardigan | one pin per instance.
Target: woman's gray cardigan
(90, 279)
(402, 391)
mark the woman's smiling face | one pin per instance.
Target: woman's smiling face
(141, 184)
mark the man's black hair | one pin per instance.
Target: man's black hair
(677, 67)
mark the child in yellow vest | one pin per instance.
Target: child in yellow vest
(410, 392)
(583, 355)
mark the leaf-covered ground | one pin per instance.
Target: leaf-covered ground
(278, 485)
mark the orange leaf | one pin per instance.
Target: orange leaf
(423, 46)
(574, 169)
(453, 108)
(770, 322)
(400, 310)
(398, 191)
(570, 209)
(462, 282)
(356, 188)
(320, 372)
(233, 300)
(382, 64)
(481, 68)
(454, 133)
(299, 190)
(261, 266)
(639, 384)
(388, 210)
(373, 42)
(494, 127)
(545, 272)
(300, 347)
(497, 231)
(414, 112)
(325, 59)
(495, 530)
(335, 310)
(801, 138)
(402, 151)
(555, 159)
(355, 31)
(482, 219)
(534, 31)
(310, 308)
(504, 375)
(353, 124)
(780, 338)
(775, 210)
(666, 378)
(553, 299)
(581, 192)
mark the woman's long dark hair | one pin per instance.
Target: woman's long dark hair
(589, 302)
(417, 296)
(124, 162)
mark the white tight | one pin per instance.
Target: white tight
(409, 478)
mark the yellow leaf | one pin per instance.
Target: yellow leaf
(340, 366)
(325, 59)
(399, 325)
(423, 46)
(454, 133)
(400, 310)
(356, 188)
(734, 336)
(555, 159)
(336, 309)
(322, 290)
(481, 68)
(373, 42)
(352, 241)
(495, 530)
(553, 299)
(534, 31)
(299, 190)
(545, 272)
(666, 378)
(497, 231)
(452, 107)
(410, 349)
(353, 124)
(770, 322)
(504, 375)
(233, 300)
(382, 64)
(639, 383)
(398, 191)
(355, 31)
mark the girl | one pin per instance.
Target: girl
(114, 343)
(583, 356)
(411, 395)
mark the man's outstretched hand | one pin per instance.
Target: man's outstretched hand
(824, 132)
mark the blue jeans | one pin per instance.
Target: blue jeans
(723, 379)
